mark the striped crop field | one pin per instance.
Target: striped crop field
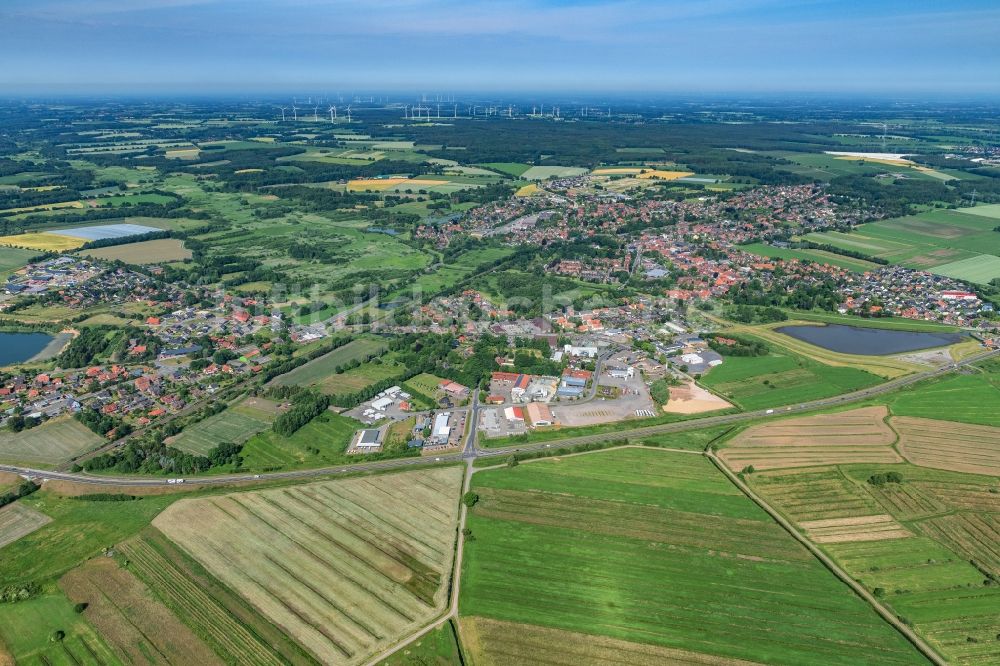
(238, 423)
(949, 445)
(929, 549)
(128, 616)
(346, 568)
(856, 436)
(653, 557)
(229, 625)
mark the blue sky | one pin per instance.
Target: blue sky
(879, 46)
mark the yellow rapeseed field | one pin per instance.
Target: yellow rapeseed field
(527, 191)
(373, 184)
(43, 241)
(665, 175)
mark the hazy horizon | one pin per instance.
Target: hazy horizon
(884, 49)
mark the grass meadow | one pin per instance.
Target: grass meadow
(781, 378)
(26, 630)
(656, 547)
(238, 423)
(321, 441)
(322, 370)
(50, 444)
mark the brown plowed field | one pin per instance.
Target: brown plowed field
(958, 447)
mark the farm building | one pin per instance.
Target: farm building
(539, 414)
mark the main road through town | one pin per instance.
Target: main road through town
(470, 450)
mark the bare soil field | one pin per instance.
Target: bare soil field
(856, 436)
(344, 567)
(496, 643)
(860, 528)
(139, 628)
(948, 445)
(17, 520)
(693, 399)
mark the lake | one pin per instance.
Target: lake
(19, 347)
(868, 341)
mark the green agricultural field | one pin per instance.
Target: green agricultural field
(26, 629)
(991, 211)
(438, 647)
(322, 441)
(546, 172)
(12, 258)
(515, 169)
(781, 378)
(971, 398)
(948, 242)
(425, 383)
(818, 256)
(50, 444)
(321, 370)
(238, 423)
(981, 269)
(80, 529)
(934, 570)
(360, 377)
(656, 547)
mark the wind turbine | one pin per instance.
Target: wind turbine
(455, 112)
(439, 108)
(348, 113)
(884, 127)
(406, 110)
(282, 113)
(295, 112)
(333, 113)
(315, 113)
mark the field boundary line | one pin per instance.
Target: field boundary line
(832, 566)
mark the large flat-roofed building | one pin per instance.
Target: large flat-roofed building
(441, 430)
(368, 439)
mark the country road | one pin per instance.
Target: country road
(472, 450)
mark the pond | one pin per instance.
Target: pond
(19, 347)
(868, 341)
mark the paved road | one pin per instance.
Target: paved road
(471, 450)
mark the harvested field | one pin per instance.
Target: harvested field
(49, 444)
(135, 624)
(344, 567)
(693, 399)
(975, 537)
(949, 445)
(856, 436)
(973, 496)
(18, 520)
(493, 642)
(373, 184)
(659, 174)
(861, 528)
(230, 626)
(144, 252)
(527, 190)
